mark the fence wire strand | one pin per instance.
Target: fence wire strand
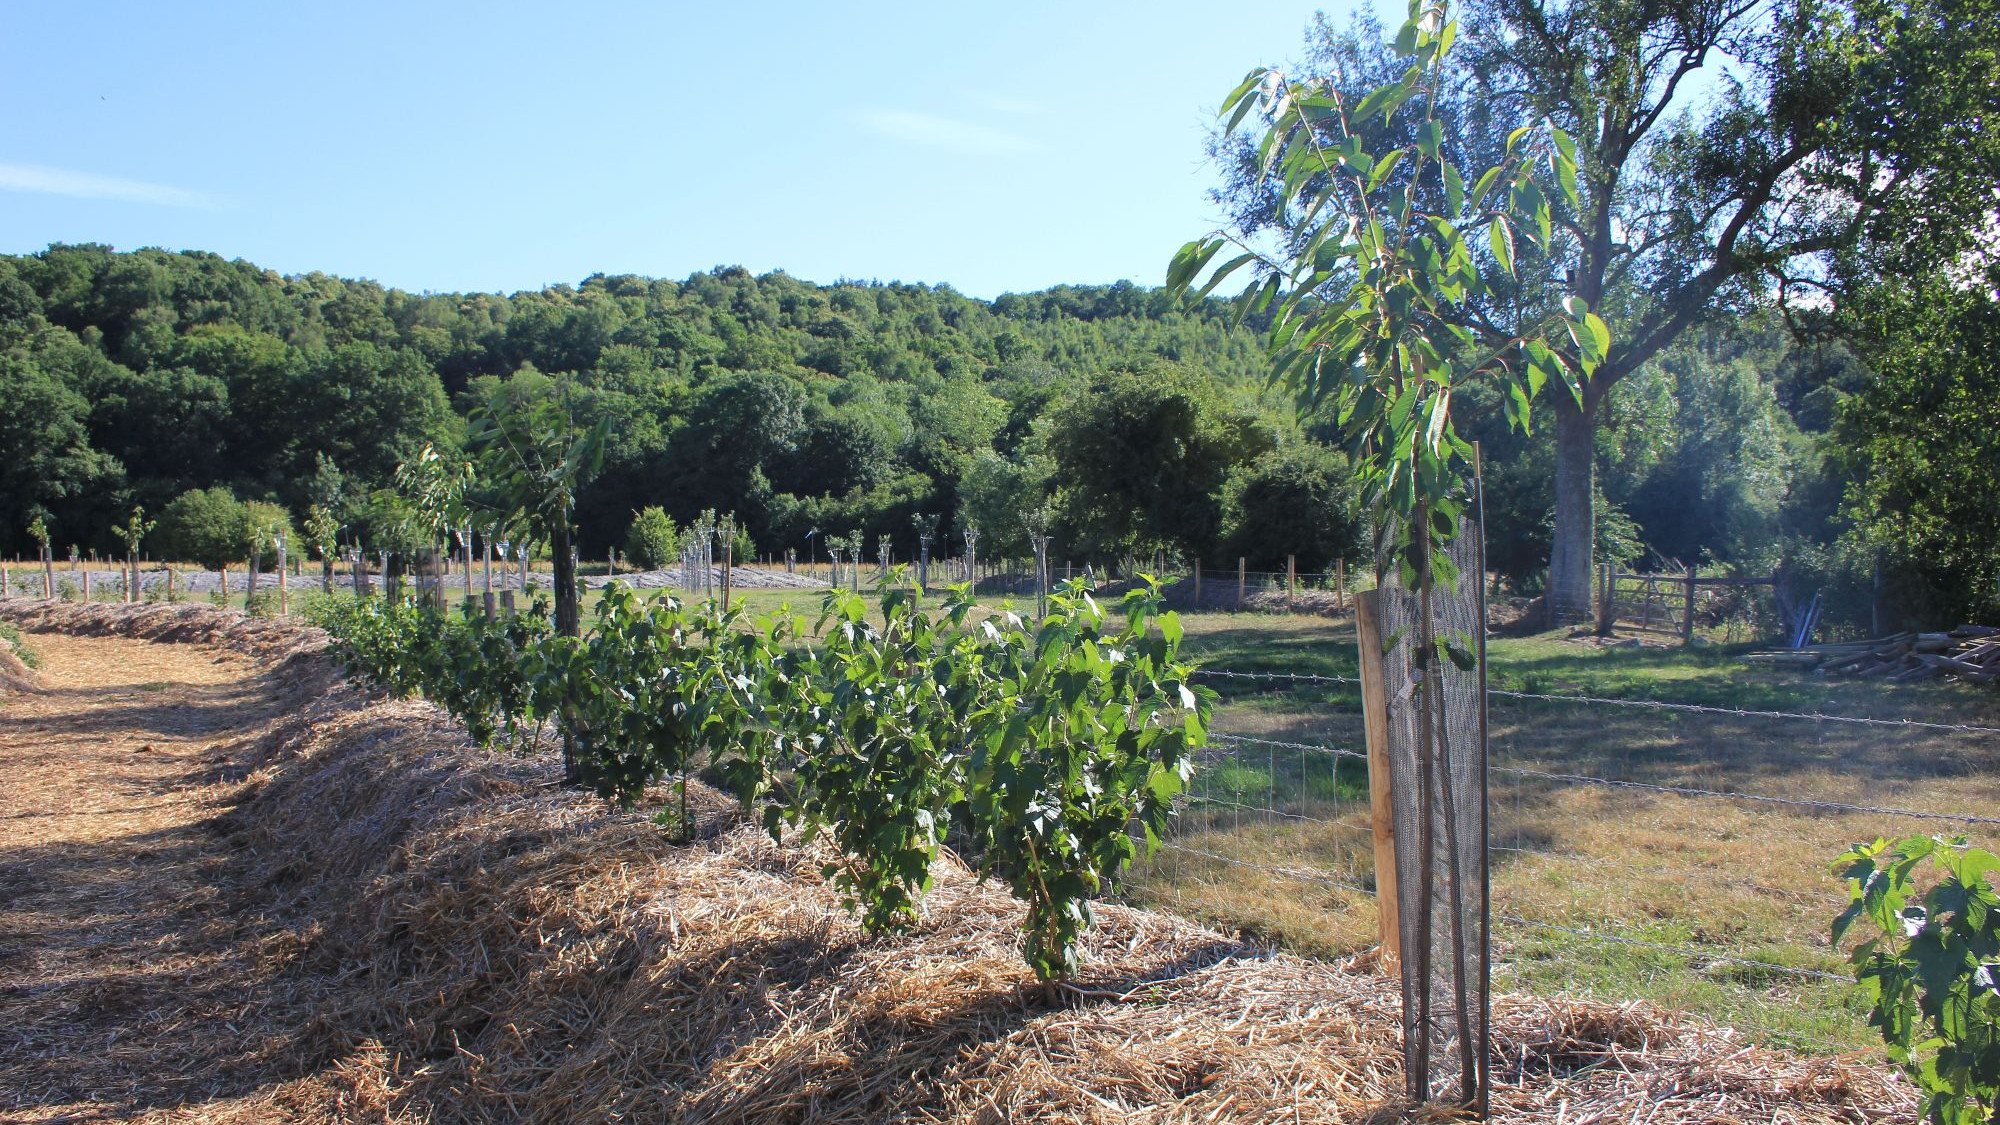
(1287, 872)
(1610, 701)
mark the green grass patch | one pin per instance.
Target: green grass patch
(12, 635)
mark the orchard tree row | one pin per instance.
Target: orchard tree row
(1035, 749)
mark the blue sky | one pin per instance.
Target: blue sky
(504, 147)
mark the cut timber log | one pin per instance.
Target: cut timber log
(1969, 652)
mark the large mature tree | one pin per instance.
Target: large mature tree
(1729, 152)
(1141, 455)
(46, 459)
(1922, 439)
(1296, 501)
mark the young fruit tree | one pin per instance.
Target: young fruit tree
(323, 535)
(526, 441)
(1372, 304)
(134, 532)
(1371, 298)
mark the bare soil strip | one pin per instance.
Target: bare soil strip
(232, 889)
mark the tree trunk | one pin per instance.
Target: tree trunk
(1571, 547)
(568, 624)
(568, 619)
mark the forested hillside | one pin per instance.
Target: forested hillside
(132, 378)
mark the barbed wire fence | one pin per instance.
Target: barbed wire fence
(1252, 795)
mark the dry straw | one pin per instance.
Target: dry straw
(413, 931)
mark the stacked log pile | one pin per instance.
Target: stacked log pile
(1970, 652)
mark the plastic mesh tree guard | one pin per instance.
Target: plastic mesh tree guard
(1434, 669)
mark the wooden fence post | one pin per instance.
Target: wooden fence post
(1241, 573)
(1197, 585)
(728, 558)
(1381, 807)
(1291, 583)
(1687, 615)
(1340, 583)
(1605, 578)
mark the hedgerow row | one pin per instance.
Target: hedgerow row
(1036, 746)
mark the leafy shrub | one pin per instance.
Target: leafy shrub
(208, 525)
(1300, 499)
(655, 688)
(1091, 728)
(653, 541)
(479, 671)
(1933, 974)
(882, 735)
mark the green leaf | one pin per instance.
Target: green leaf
(1383, 168)
(1406, 39)
(1240, 100)
(1565, 169)
(1189, 261)
(1501, 237)
(1221, 273)
(1484, 186)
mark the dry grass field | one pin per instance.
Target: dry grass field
(1730, 879)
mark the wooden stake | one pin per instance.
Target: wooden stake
(1340, 583)
(1242, 572)
(1381, 807)
(1197, 585)
(1291, 583)
(1687, 613)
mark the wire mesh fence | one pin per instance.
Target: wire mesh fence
(1642, 849)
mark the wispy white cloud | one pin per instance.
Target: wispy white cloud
(999, 104)
(949, 134)
(86, 185)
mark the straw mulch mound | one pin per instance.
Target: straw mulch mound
(383, 924)
(188, 624)
(15, 675)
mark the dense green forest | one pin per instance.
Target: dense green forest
(133, 378)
